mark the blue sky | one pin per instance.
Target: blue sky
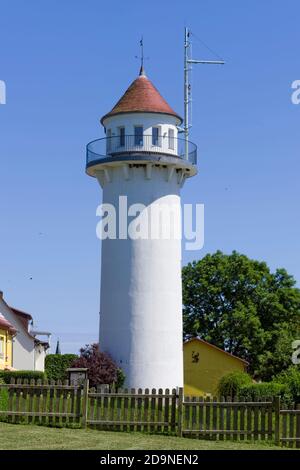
(65, 63)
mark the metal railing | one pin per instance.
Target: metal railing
(135, 144)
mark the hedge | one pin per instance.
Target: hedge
(7, 375)
(57, 364)
(291, 378)
(263, 390)
(120, 379)
(3, 400)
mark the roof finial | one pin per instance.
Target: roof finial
(142, 70)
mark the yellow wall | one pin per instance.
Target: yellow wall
(202, 377)
(6, 360)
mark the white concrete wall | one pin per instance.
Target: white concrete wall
(23, 344)
(147, 120)
(141, 293)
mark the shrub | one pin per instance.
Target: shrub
(291, 378)
(57, 364)
(3, 400)
(259, 391)
(101, 368)
(7, 375)
(231, 384)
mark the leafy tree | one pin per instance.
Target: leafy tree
(237, 304)
(101, 368)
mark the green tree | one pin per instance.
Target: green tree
(237, 304)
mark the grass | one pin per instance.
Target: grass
(27, 437)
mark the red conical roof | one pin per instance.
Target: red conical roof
(141, 97)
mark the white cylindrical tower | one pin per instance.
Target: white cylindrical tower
(141, 166)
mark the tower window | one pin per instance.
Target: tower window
(121, 136)
(171, 139)
(138, 135)
(155, 136)
(108, 148)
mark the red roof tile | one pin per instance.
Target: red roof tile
(141, 96)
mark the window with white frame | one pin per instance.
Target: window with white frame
(171, 139)
(155, 136)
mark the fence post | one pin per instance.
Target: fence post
(85, 403)
(180, 412)
(277, 420)
(298, 427)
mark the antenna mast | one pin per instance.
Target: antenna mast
(187, 86)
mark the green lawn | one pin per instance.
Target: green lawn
(14, 436)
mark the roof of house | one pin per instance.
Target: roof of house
(24, 317)
(142, 97)
(45, 344)
(21, 313)
(6, 325)
(215, 347)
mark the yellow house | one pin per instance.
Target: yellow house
(204, 365)
(7, 331)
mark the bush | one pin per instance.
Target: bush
(259, 391)
(57, 364)
(7, 375)
(3, 400)
(101, 367)
(291, 379)
(231, 384)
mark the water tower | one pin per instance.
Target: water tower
(142, 158)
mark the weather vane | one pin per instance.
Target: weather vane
(142, 57)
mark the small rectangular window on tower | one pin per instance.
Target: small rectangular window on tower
(138, 135)
(122, 136)
(108, 142)
(171, 139)
(155, 136)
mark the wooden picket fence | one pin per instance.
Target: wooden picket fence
(153, 411)
(146, 410)
(287, 430)
(42, 402)
(221, 419)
